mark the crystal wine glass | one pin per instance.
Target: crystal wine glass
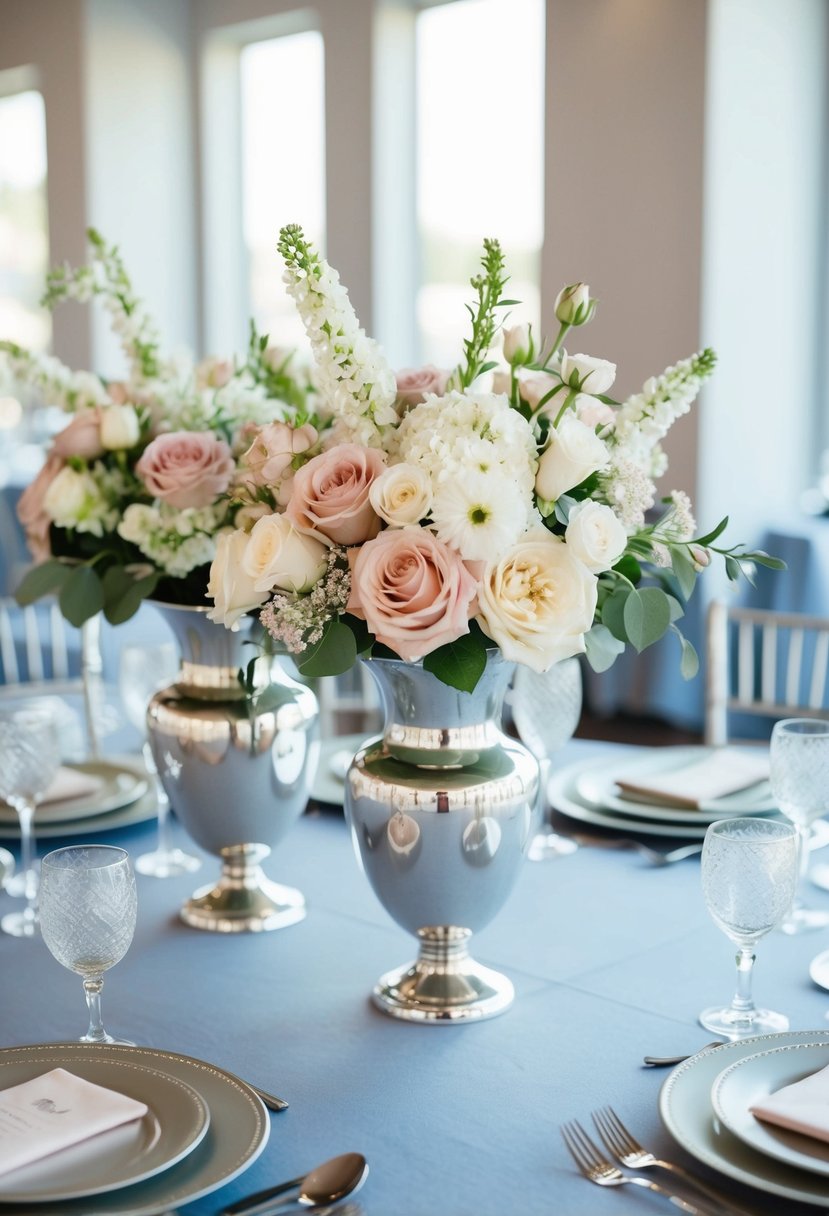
(749, 875)
(143, 671)
(799, 759)
(88, 908)
(29, 760)
(546, 708)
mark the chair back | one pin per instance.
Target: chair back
(36, 644)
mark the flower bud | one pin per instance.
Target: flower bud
(574, 305)
(699, 556)
(519, 346)
(119, 427)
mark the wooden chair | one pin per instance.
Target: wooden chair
(764, 663)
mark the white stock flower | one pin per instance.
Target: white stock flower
(401, 495)
(595, 536)
(591, 375)
(229, 586)
(574, 452)
(119, 427)
(277, 557)
(479, 514)
(538, 601)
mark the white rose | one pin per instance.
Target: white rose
(595, 536)
(518, 344)
(247, 515)
(70, 497)
(593, 412)
(534, 387)
(230, 588)
(279, 557)
(573, 304)
(538, 602)
(592, 375)
(401, 495)
(574, 452)
(119, 427)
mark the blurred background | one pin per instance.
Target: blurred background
(671, 153)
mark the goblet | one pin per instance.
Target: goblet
(799, 759)
(88, 908)
(143, 671)
(29, 760)
(546, 708)
(749, 875)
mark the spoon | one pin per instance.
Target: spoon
(667, 1061)
(326, 1183)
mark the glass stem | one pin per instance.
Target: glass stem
(743, 1002)
(804, 834)
(25, 814)
(92, 990)
(162, 801)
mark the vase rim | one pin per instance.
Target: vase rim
(178, 607)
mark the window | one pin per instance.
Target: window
(24, 241)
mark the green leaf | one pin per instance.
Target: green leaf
(689, 663)
(763, 559)
(44, 579)
(733, 569)
(676, 609)
(123, 594)
(82, 595)
(613, 613)
(629, 568)
(710, 537)
(602, 648)
(273, 697)
(334, 653)
(363, 639)
(460, 663)
(646, 617)
(564, 505)
(684, 569)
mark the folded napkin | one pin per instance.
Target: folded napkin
(71, 783)
(802, 1106)
(56, 1111)
(720, 772)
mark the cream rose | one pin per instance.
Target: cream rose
(273, 449)
(401, 495)
(69, 496)
(229, 586)
(573, 305)
(413, 383)
(574, 452)
(534, 387)
(413, 593)
(330, 495)
(593, 412)
(186, 468)
(595, 536)
(279, 557)
(519, 346)
(82, 437)
(587, 374)
(538, 602)
(119, 427)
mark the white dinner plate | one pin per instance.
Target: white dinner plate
(144, 808)
(685, 1109)
(335, 756)
(176, 1121)
(237, 1134)
(752, 1079)
(120, 784)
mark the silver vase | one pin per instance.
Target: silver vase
(237, 779)
(441, 811)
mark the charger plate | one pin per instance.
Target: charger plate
(238, 1131)
(686, 1111)
(144, 808)
(120, 785)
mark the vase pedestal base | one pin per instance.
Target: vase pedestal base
(445, 984)
(243, 900)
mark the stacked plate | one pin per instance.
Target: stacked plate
(588, 791)
(122, 796)
(705, 1105)
(203, 1127)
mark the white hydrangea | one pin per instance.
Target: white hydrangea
(177, 541)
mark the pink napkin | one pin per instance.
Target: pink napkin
(802, 1106)
(56, 1111)
(71, 783)
(720, 772)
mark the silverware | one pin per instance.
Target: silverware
(270, 1100)
(323, 1185)
(627, 1149)
(594, 1166)
(669, 1061)
(656, 857)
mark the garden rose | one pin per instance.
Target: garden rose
(82, 437)
(330, 498)
(593, 412)
(574, 452)
(538, 602)
(413, 593)
(273, 449)
(414, 383)
(401, 495)
(587, 374)
(595, 535)
(230, 587)
(277, 557)
(32, 513)
(186, 468)
(534, 387)
(119, 427)
(573, 304)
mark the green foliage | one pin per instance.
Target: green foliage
(488, 287)
(460, 663)
(334, 653)
(82, 595)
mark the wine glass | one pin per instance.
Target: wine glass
(749, 875)
(143, 671)
(546, 707)
(88, 908)
(29, 760)
(799, 759)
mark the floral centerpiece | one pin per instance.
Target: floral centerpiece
(436, 513)
(138, 486)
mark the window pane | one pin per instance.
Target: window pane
(24, 242)
(480, 146)
(283, 166)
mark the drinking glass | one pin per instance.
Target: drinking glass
(749, 875)
(546, 707)
(87, 915)
(29, 760)
(799, 758)
(143, 671)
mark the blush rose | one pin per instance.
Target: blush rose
(186, 468)
(330, 495)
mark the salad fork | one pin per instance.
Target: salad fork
(594, 1166)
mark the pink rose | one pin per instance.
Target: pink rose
(330, 498)
(414, 383)
(413, 592)
(82, 437)
(30, 509)
(186, 468)
(213, 373)
(273, 449)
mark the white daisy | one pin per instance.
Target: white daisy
(479, 514)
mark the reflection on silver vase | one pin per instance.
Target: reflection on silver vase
(237, 779)
(441, 810)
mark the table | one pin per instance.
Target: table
(611, 959)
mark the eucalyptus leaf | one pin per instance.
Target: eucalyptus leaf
(689, 662)
(613, 613)
(334, 653)
(675, 608)
(460, 663)
(564, 505)
(646, 616)
(44, 579)
(124, 595)
(602, 648)
(82, 595)
(684, 569)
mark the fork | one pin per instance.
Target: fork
(594, 1166)
(627, 1149)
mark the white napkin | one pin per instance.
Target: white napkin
(55, 1111)
(801, 1107)
(720, 772)
(71, 783)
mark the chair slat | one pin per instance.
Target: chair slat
(794, 667)
(8, 651)
(60, 655)
(817, 689)
(34, 657)
(768, 664)
(745, 661)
